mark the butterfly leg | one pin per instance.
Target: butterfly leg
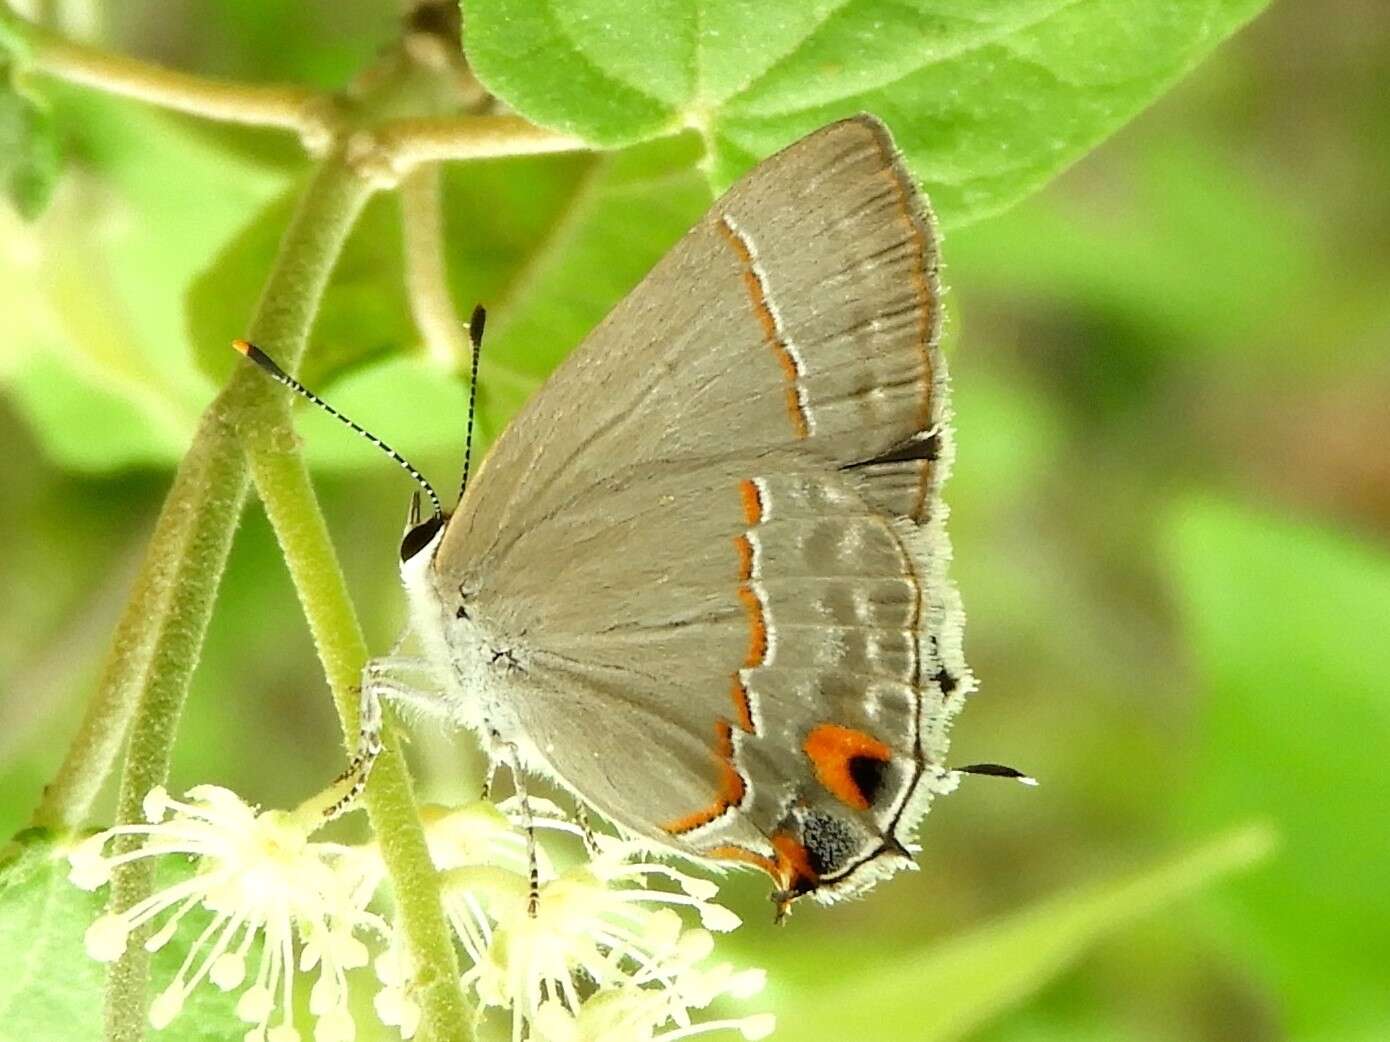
(379, 681)
(533, 898)
(489, 776)
(581, 817)
(359, 768)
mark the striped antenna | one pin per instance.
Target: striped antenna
(475, 336)
(268, 366)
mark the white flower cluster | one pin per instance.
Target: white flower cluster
(604, 958)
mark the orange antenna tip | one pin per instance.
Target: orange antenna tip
(244, 346)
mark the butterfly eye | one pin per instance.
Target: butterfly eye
(419, 537)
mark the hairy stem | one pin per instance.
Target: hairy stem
(426, 275)
(283, 483)
(208, 493)
(397, 146)
(68, 798)
(288, 107)
(212, 490)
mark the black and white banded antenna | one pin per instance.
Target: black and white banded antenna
(475, 337)
(268, 366)
(996, 770)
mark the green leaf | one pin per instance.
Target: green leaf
(1288, 622)
(50, 989)
(955, 987)
(547, 244)
(28, 146)
(621, 216)
(95, 356)
(90, 424)
(988, 99)
(364, 313)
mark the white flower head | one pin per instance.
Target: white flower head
(259, 875)
(605, 954)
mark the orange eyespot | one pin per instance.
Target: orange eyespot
(847, 762)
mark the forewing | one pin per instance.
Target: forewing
(801, 314)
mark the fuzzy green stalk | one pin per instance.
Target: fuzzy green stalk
(207, 496)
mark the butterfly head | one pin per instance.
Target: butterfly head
(420, 535)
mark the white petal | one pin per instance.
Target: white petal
(696, 945)
(90, 869)
(758, 1026)
(155, 804)
(719, 918)
(747, 983)
(335, 1026)
(349, 951)
(228, 971)
(554, 1023)
(390, 967)
(105, 939)
(309, 955)
(164, 935)
(323, 997)
(388, 1003)
(282, 1033)
(663, 928)
(700, 889)
(166, 1006)
(255, 1004)
(216, 796)
(410, 1018)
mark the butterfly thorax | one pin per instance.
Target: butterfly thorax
(481, 664)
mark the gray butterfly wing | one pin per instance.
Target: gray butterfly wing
(714, 543)
(802, 312)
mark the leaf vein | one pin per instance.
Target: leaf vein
(970, 44)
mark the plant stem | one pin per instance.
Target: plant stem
(282, 481)
(426, 275)
(397, 146)
(288, 107)
(209, 491)
(427, 283)
(212, 490)
(67, 800)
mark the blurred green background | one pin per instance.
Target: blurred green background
(1171, 508)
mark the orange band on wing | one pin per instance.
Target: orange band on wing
(790, 868)
(731, 784)
(757, 627)
(772, 332)
(743, 708)
(752, 501)
(794, 871)
(832, 750)
(744, 546)
(730, 852)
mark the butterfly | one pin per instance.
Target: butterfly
(700, 581)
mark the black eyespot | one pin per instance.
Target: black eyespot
(946, 682)
(868, 774)
(419, 537)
